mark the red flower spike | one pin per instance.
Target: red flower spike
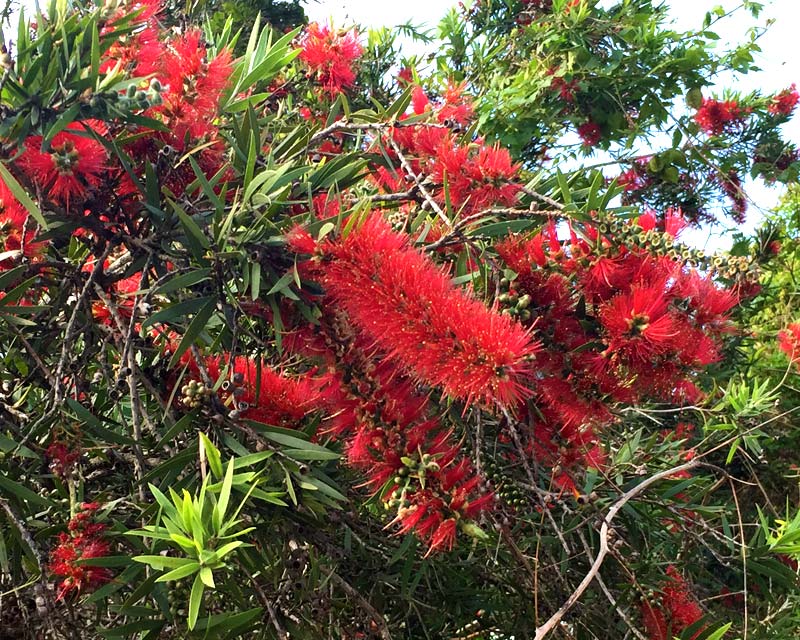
(715, 116)
(409, 308)
(17, 231)
(676, 610)
(330, 56)
(590, 133)
(84, 540)
(789, 342)
(72, 166)
(784, 103)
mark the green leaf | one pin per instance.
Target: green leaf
(212, 453)
(164, 502)
(195, 599)
(294, 442)
(21, 195)
(195, 328)
(16, 490)
(224, 497)
(207, 576)
(181, 572)
(162, 562)
(183, 281)
(719, 633)
(225, 549)
(177, 311)
(63, 121)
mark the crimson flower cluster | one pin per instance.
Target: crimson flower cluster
(590, 133)
(393, 437)
(789, 342)
(719, 116)
(675, 610)
(620, 322)
(183, 94)
(330, 56)
(257, 391)
(62, 457)
(478, 176)
(17, 232)
(393, 326)
(408, 307)
(83, 540)
(784, 103)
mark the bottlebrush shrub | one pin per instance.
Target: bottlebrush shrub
(434, 376)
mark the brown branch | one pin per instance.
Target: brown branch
(555, 619)
(363, 603)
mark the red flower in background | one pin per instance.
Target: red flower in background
(590, 133)
(789, 342)
(259, 392)
(784, 103)
(122, 294)
(62, 457)
(716, 116)
(83, 540)
(676, 610)
(72, 165)
(193, 84)
(17, 231)
(330, 56)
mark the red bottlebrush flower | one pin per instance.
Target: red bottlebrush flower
(73, 165)
(402, 301)
(83, 541)
(444, 537)
(566, 89)
(17, 231)
(672, 223)
(419, 101)
(122, 294)
(679, 600)
(476, 181)
(731, 184)
(270, 397)
(330, 56)
(62, 458)
(715, 116)
(457, 108)
(638, 323)
(258, 392)
(193, 84)
(676, 610)
(590, 133)
(784, 103)
(325, 207)
(789, 342)
(405, 76)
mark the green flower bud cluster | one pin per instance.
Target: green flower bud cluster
(398, 220)
(136, 98)
(505, 489)
(195, 394)
(513, 304)
(663, 244)
(412, 469)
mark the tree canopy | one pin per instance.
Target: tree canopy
(303, 338)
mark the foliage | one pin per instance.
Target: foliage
(292, 348)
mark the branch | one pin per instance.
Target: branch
(363, 603)
(555, 619)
